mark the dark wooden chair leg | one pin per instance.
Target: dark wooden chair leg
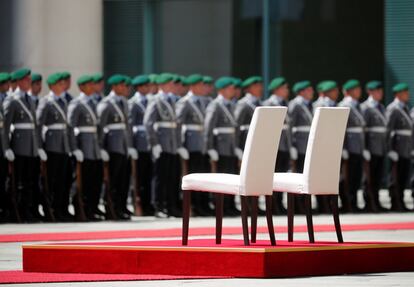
(186, 215)
(291, 214)
(309, 220)
(219, 216)
(335, 211)
(245, 223)
(269, 218)
(255, 203)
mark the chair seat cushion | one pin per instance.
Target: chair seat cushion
(289, 182)
(212, 182)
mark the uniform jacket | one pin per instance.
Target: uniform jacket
(137, 106)
(243, 114)
(300, 115)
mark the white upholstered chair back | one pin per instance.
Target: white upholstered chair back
(259, 157)
(324, 150)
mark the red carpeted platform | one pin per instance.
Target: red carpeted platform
(204, 258)
(196, 231)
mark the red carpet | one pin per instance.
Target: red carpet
(16, 277)
(204, 258)
(196, 231)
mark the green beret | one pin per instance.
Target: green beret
(97, 78)
(36, 77)
(300, 86)
(65, 75)
(84, 79)
(276, 83)
(251, 81)
(237, 82)
(54, 78)
(194, 79)
(177, 78)
(20, 74)
(224, 82)
(326, 86)
(351, 84)
(319, 86)
(153, 78)
(4, 77)
(127, 80)
(373, 85)
(400, 87)
(116, 79)
(140, 80)
(207, 80)
(165, 78)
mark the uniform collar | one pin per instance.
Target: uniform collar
(303, 100)
(223, 99)
(249, 97)
(277, 98)
(329, 102)
(353, 102)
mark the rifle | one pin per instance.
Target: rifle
(13, 193)
(109, 207)
(135, 190)
(79, 206)
(47, 209)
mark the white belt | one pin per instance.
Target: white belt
(407, 133)
(377, 130)
(85, 129)
(227, 130)
(244, 127)
(355, 130)
(301, 129)
(165, 125)
(192, 127)
(56, 127)
(117, 126)
(138, 128)
(23, 126)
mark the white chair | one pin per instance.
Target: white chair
(321, 172)
(256, 173)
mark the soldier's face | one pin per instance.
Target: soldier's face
(88, 88)
(153, 88)
(256, 89)
(58, 88)
(36, 87)
(403, 96)
(99, 86)
(143, 89)
(4, 87)
(355, 93)
(282, 91)
(308, 93)
(333, 94)
(238, 92)
(377, 94)
(229, 92)
(67, 83)
(25, 83)
(198, 89)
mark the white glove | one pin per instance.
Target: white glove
(213, 154)
(393, 155)
(104, 155)
(367, 155)
(133, 153)
(239, 153)
(9, 154)
(345, 154)
(183, 153)
(42, 154)
(156, 151)
(78, 155)
(293, 153)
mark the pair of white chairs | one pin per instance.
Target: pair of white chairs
(257, 177)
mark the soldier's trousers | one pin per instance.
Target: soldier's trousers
(92, 177)
(164, 179)
(119, 180)
(37, 193)
(376, 173)
(282, 165)
(57, 168)
(355, 169)
(400, 182)
(144, 177)
(3, 182)
(227, 164)
(196, 164)
(24, 169)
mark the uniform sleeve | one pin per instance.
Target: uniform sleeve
(209, 125)
(9, 115)
(102, 111)
(41, 115)
(128, 125)
(150, 118)
(392, 117)
(73, 119)
(181, 110)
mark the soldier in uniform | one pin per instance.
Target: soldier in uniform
(22, 147)
(4, 87)
(190, 117)
(83, 119)
(354, 152)
(321, 96)
(161, 124)
(116, 139)
(153, 87)
(400, 127)
(55, 134)
(137, 106)
(238, 87)
(99, 87)
(376, 143)
(279, 90)
(220, 133)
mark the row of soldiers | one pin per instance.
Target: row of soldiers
(172, 126)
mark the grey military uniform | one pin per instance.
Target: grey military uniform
(114, 129)
(53, 126)
(400, 127)
(300, 121)
(20, 124)
(137, 106)
(354, 137)
(2, 134)
(243, 114)
(190, 117)
(161, 123)
(83, 119)
(286, 137)
(376, 127)
(320, 102)
(220, 127)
